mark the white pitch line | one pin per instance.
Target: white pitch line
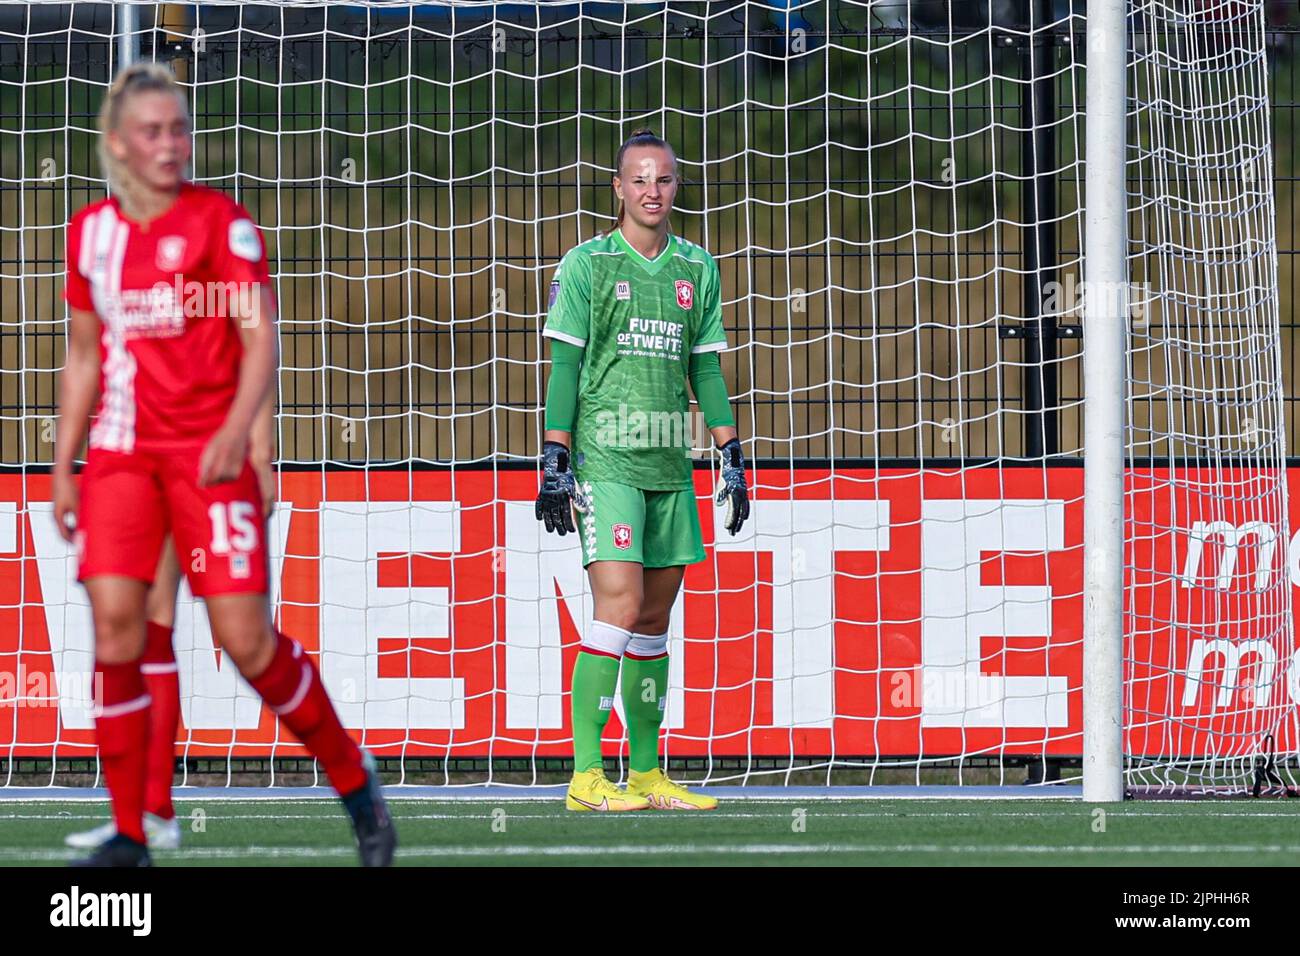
(787, 848)
(710, 815)
(639, 850)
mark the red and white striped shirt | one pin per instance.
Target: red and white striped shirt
(170, 349)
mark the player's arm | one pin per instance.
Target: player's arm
(711, 392)
(562, 391)
(223, 458)
(567, 323)
(559, 485)
(710, 389)
(78, 388)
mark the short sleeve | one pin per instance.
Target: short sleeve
(76, 286)
(568, 315)
(238, 252)
(712, 337)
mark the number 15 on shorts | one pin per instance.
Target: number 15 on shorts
(234, 526)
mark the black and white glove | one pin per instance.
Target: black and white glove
(732, 488)
(559, 488)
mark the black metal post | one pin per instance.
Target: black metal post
(1038, 235)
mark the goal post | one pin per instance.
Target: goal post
(1000, 288)
(128, 34)
(1104, 360)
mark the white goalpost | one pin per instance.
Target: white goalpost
(1000, 288)
(1105, 324)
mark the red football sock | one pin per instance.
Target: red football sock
(122, 731)
(160, 676)
(292, 688)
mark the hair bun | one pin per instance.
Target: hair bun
(643, 131)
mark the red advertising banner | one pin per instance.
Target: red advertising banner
(860, 612)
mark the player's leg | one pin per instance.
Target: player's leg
(161, 676)
(645, 667)
(672, 540)
(158, 667)
(120, 530)
(122, 701)
(287, 679)
(616, 592)
(220, 537)
(611, 540)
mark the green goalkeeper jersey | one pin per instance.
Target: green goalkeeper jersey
(639, 320)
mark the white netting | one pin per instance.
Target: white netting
(893, 193)
(1210, 619)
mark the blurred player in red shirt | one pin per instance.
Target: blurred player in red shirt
(172, 328)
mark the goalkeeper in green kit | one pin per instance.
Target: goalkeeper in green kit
(633, 315)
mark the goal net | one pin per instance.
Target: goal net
(1210, 683)
(894, 195)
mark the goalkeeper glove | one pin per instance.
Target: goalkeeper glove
(732, 488)
(559, 487)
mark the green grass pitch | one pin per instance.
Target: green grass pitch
(748, 832)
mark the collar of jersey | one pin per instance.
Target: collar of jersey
(148, 226)
(649, 265)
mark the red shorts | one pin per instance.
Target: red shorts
(130, 502)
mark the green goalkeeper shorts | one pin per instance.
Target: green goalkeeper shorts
(656, 529)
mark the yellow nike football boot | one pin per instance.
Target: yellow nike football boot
(663, 794)
(590, 790)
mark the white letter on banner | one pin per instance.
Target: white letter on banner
(957, 611)
(803, 644)
(356, 612)
(535, 564)
(1232, 537)
(67, 617)
(9, 527)
(1233, 653)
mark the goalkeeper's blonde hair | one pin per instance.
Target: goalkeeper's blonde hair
(134, 79)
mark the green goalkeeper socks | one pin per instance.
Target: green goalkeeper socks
(645, 694)
(594, 678)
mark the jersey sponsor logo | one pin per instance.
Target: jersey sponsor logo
(239, 566)
(244, 241)
(170, 253)
(156, 312)
(555, 294)
(685, 294)
(622, 536)
(658, 338)
(623, 290)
